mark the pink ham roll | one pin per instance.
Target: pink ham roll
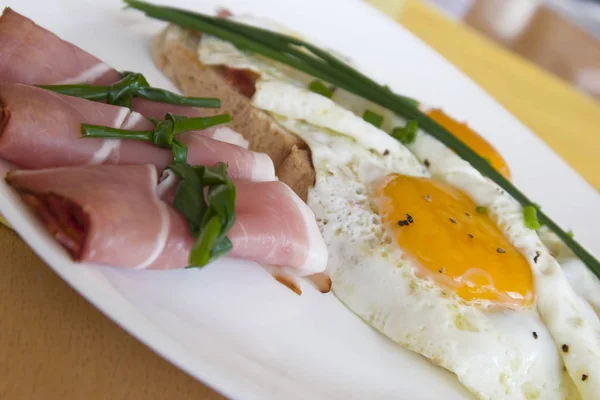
(35, 56)
(41, 129)
(112, 215)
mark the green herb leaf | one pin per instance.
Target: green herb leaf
(131, 85)
(164, 132)
(183, 124)
(84, 91)
(531, 219)
(180, 152)
(220, 248)
(221, 198)
(164, 96)
(407, 134)
(189, 196)
(105, 132)
(320, 88)
(211, 176)
(481, 209)
(209, 219)
(373, 118)
(202, 249)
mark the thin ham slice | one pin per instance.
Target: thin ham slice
(35, 56)
(113, 215)
(41, 129)
(262, 206)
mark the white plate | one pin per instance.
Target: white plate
(231, 325)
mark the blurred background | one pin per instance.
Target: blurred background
(560, 36)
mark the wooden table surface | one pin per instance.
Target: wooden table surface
(54, 345)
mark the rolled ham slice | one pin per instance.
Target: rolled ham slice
(41, 129)
(113, 215)
(35, 56)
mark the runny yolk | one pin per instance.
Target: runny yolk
(438, 227)
(471, 139)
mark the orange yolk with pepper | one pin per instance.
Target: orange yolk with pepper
(459, 248)
(471, 139)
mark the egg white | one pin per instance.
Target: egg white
(581, 279)
(493, 352)
(565, 297)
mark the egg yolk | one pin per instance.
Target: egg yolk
(471, 139)
(440, 229)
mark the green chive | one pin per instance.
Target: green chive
(406, 134)
(185, 124)
(84, 91)
(164, 132)
(481, 209)
(320, 88)
(104, 132)
(209, 217)
(131, 85)
(200, 254)
(164, 96)
(531, 219)
(180, 152)
(570, 233)
(373, 118)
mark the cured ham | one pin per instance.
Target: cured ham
(261, 205)
(113, 215)
(41, 129)
(35, 56)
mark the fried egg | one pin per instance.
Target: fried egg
(413, 254)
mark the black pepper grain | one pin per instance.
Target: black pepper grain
(584, 377)
(452, 220)
(403, 222)
(470, 235)
(535, 335)
(409, 218)
(467, 214)
(537, 255)
(386, 152)
(426, 162)
(442, 270)
(565, 348)
(500, 250)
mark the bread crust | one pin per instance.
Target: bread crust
(174, 52)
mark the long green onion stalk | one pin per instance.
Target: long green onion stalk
(131, 85)
(324, 66)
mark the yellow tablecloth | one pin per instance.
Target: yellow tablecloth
(57, 346)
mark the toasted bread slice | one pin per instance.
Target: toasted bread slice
(174, 52)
